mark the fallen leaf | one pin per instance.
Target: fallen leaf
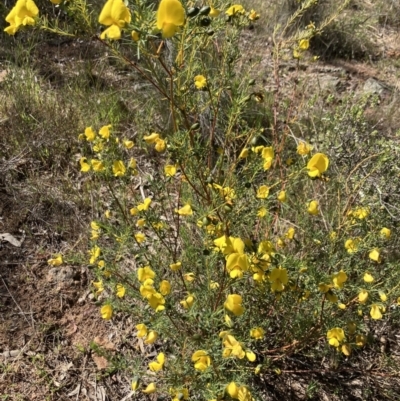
(12, 240)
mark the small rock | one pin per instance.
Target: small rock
(373, 86)
(60, 274)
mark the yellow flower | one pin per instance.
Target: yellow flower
(313, 208)
(335, 336)
(144, 206)
(282, 196)
(267, 154)
(85, 167)
(262, 212)
(262, 192)
(115, 14)
(141, 223)
(317, 165)
(140, 237)
(188, 302)
(152, 138)
(244, 153)
(23, 13)
(253, 15)
(185, 210)
(118, 168)
(170, 170)
(156, 366)
(250, 355)
(135, 35)
(105, 131)
(360, 213)
(368, 278)
(346, 349)
(57, 260)
(99, 286)
(214, 12)
(232, 347)
(363, 296)
(189, 277)
(235, 9)
(304, 44)
(142, 330)
(135, 384)
(201, 360)
(234, 304)
(106, 312)
(160, 145)
(278, 279)
(120, 291)
(352, 245)
(304, 148)
(150, 389)
(90, 134)
(376, 312)
(382, 296)
(170, 16)
(128, 144)
(375, 255)
(237, 262)
(145, 273)
(232, 389)
(200, 81)
(97, 165)
(165, 287)
(290, 233)
(94, 254)
(175, 266)
(151, 337)
(257, 333)
(339, 279)
(385, 233)
(56, 1)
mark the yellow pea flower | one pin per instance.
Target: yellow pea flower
(106, 312)
(105, 131)
(120, 291)
(150, 389)
(170, 170)
(175, 266)
(185, 210)
(200, 81)
(257, 333)
(376, 312)
(317, 165)
(115, 14)
(233, 303)
(385, 233)
(262, 192)
(335, 336)
(118, 168)
(85, 167)
(304, 148)
(201, 360)
(313, 208)
(375, 255)
(282, 196)
(170, 16)
(23, 13)
(368, 278)
(155, 366)
(57, 260)
(234, 10)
